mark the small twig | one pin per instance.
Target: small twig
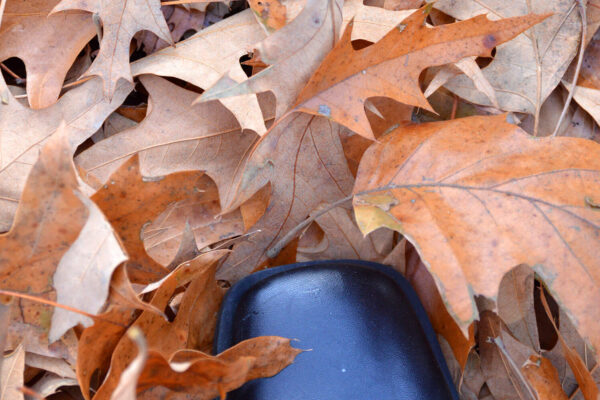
(58, 305)
(12, 73)
(66, 86)
(454, 107)
(30, 392)
(274, 251)
(500, 344)
(228, 242)
(582, 13)
(538, 76)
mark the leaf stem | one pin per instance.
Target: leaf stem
(582, 13)
(287, 238)
(58, 305)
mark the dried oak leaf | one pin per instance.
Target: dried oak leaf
(543, 378)
(516, 305)
(23, 132)
(303, 160)
(587, 91)
(202, 213)
(121, 20)
(200, 375)
(203, 59)
(551, 46)
(59, 248)
(179, 20)
(503, 358)
(97, 342)
(176, 136)
(441, 320)
(342, 239)
(391, 67)
(293, 53)
(28, 32)
(584, 378)
(370, 23)
(129, 202)
(271, 14)
(477, 196)
(11, 375)
(199, 305)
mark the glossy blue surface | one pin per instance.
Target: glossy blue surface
(368, 333)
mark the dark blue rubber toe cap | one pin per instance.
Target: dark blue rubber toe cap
(368, 333)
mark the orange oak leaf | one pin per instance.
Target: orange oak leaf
(202, 213)
(443, 323)
(121, 20)
(28, 32)
(477, 196)
(391, 67)
(97, 342)
(198, 374)
(543, 378)
(129, 202)
(199, 305)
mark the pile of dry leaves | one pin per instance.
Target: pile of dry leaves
(152, 154)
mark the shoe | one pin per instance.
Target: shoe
(368, 334)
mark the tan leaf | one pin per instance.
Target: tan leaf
(391, 67)
(501, 365)
(50, 383)
(472, 218)
(28, 32)
(370, 23)
(587, 91)
(303, 160)
(121, 19)
(204, 137)
(179, 20)
(11, 379)
(23, 132)
(515, 305)
(206, 56)
(54, 215)
(300, 46)
(513, 70)
(342, 239)
(88, 266)
(56, 366)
